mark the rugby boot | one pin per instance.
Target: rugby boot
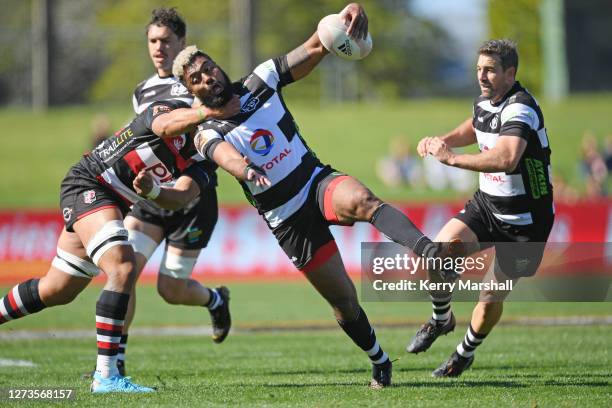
(454, 366)
(116, 383)
(220, 316)
(381, 375)
(428, 333)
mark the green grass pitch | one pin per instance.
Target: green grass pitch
(287, 351)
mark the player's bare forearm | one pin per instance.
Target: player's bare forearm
(177, 197)
(306, 57)
(462, 135)
(178, 121)
(230, 160)
(185, 120)
(485, 162)
(504, 156)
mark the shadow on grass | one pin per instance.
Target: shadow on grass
(365, 369)
(423, 384)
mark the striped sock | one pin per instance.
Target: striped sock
(214, 300)
(110, 314)
(122, 347)
(471, 340)
(363, 335)
(441, 306)
(21, 301)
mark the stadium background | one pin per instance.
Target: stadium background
(65, 63)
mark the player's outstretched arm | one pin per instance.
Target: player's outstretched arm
(505, 156)
(228, 158)
(307, 56)
(462, 135)
(185, 120)
(171, 198)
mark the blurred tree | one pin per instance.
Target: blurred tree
(404, 61)
(125, 43)
(520, 20)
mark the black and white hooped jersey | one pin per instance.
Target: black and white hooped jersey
(265, 132)
(156, 89)
(515, 198)
(117, 160)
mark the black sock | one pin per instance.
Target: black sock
(363, 335)
(21, 301)
(398, 228)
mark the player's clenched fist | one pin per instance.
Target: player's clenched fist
(440, 150)
(422, 146)
(144, 184)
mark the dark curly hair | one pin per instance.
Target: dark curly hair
(170, 18)
(504, 49)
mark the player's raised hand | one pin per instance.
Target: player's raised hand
(440, 150)
(255, 174)
(231, 108)
(422, 146)
(144, 184)
(354, 15)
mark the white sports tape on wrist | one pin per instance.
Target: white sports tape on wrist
(177, 266)
(75, 266)
(142, 243)
(111, 234)
(155, 190)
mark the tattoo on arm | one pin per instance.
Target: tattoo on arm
(297, 57)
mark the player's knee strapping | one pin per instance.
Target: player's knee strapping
(74, 265)
(21, 301)
(111, 234)
(142, 243)
(177, 266)
(363, 335)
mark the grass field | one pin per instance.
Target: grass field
(287, 351)
(37, 149)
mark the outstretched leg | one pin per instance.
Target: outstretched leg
(333, 283)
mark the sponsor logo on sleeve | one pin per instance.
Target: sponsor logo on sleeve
(178, 90)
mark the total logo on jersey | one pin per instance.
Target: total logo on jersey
(262, 142)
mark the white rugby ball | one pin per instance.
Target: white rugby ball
(333, 36)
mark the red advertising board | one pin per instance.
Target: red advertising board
(243, 247)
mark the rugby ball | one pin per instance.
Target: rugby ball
(333, 36)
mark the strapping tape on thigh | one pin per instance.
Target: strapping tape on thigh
(177, 266)
(113, 233)
(142, 243)
(74, 265)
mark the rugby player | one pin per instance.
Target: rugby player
(306, 196)
(95, 195)
(186, 230)
(514, 202)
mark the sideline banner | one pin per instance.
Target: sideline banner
(243, 247)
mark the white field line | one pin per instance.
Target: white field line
(166, 331)
(8, 362)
